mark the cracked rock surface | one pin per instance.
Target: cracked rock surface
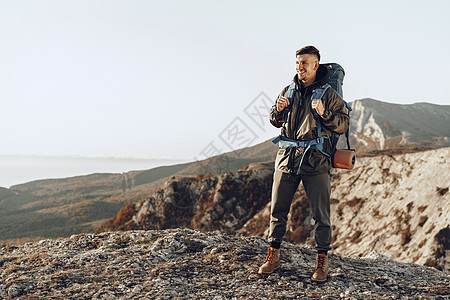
(189, 264)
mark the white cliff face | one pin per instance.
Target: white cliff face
(357, 116)
(357, 123)
(375, 125)
(395, 205)
(373, 130)
(365, 129)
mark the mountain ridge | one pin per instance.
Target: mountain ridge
(375, 125)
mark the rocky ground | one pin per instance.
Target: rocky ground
(189, 264)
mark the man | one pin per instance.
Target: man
(306, 163)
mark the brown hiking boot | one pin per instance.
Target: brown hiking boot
(271, 263)
(321, 271)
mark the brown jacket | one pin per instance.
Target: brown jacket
(301, 126)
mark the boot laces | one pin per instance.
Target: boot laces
(270, 255)
(321, 261)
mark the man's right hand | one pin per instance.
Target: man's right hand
(282, 103)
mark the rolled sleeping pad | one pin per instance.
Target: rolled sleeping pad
(344, 159)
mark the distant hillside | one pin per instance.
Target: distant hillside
(60, 207)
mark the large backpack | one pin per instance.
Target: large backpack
(341, 158)
(336, 81)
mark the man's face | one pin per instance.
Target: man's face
(306, 66)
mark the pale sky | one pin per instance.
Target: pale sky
(174, 79)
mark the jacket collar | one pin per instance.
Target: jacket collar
(322, 77)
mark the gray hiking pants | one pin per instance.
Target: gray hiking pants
(318, 190)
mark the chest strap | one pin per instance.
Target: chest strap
(311, 144)
(285, 142)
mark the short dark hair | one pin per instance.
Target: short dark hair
(309, 50)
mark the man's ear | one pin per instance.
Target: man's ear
(316, 65)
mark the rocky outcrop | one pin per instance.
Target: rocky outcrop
(188, 264)
(224, 202)
(395, 205)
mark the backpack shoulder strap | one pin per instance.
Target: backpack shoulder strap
(291, 91)
(290, 95)
(347, 133)
(320, 91)
(318, 94)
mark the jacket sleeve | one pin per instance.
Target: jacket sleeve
(276, 116)
(338, 120)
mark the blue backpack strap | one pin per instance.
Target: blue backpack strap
(318, 94)
(285, 142)
(290, 95)
(277, 139)
(349, 108)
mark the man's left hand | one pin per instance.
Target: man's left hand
(317, 105)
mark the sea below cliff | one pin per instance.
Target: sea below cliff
(17, 169)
